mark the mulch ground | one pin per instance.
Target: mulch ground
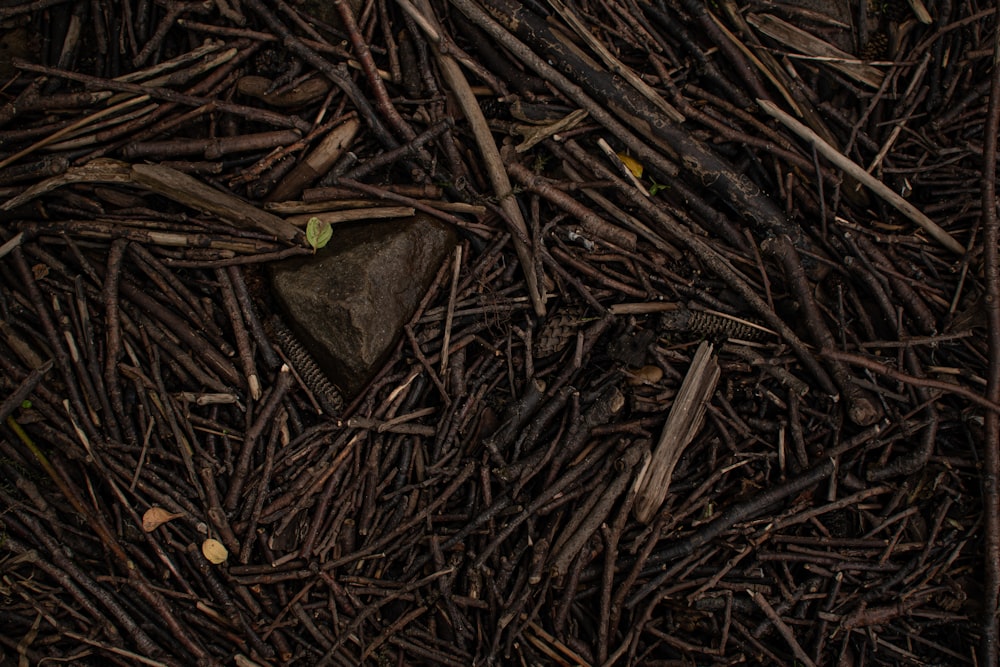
(773, 226)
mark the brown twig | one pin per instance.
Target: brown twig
(990, 642)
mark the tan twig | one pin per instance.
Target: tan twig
(858, 172)
(487, 147)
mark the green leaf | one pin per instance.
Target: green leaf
(318, 232)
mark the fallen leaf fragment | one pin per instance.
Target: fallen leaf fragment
(156, 517)
(633, 165)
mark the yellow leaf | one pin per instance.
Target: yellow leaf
(155, 517)
(633, 165)
(214, 551)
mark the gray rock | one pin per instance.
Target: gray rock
(348, 303)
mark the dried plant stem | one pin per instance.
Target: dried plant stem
(857, 172)
(990, 642)
(491, 155)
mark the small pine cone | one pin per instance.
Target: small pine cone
(325, 392)
(877, 47)
(709, 325)
(559, 329)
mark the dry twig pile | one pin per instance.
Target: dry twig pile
(631, 180)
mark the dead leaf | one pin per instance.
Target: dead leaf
(156, 517)
(214, 551)
(632, 164)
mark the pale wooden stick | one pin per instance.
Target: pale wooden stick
(351, 215)
(197, 55)
(493, 162)
(858, 173)
(73, 127)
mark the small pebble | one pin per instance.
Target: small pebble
(646, 375)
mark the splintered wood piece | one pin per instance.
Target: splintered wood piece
(100, 170)
(809, 44)
(318, 162)
(191, 192)
(683, 423)
(170, 183)
(535, 134)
